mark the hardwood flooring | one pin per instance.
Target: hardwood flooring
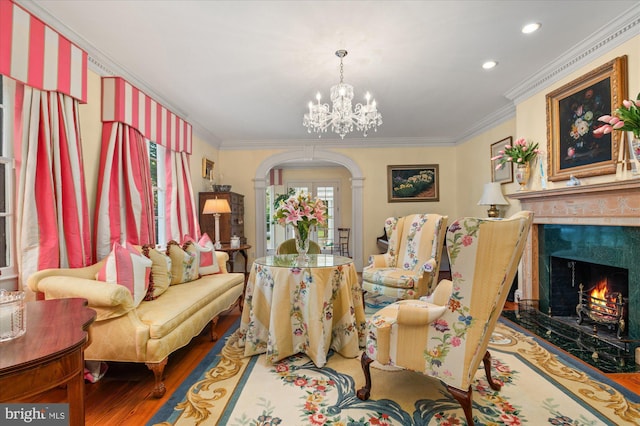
(123, 396)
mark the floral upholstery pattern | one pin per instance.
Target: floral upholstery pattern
(449, 340)
(409, 267)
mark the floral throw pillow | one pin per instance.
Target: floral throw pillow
(184, 265)
(127, 267)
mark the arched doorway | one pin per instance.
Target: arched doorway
(309, 154)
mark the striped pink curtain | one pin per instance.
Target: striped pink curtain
(52, 216)
(180, 211)
(124, 204)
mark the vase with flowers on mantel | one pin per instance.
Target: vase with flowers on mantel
(522, 174)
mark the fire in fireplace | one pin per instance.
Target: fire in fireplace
(590, 291)
(602, 307)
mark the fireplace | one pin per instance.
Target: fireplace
(590, 293)
(596, 224)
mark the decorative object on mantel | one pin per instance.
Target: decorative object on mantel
(342, 118)
(625, 118)
(572, 111)
(521, 153)
(573, 181)
(303, 213)
(221, 188)
(492, 197)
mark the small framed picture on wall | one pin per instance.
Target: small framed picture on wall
(504, 174)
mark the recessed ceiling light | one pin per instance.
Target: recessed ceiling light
(489, 64)
(531, 28)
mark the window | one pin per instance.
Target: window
(8, 269)
(158, 181)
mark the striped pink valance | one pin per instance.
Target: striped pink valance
(124, 103)
(33, 53)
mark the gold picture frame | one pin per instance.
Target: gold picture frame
(413, 183)
(505, 174)
(572, 116)
(207, 168)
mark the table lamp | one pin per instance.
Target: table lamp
(216, 206)
(492, 196)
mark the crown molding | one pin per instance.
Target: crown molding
(229, 145)
(492, 120)
(610, 36)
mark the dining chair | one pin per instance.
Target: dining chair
(447, 337)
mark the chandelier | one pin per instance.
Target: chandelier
(342, 118)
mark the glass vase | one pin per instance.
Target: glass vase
(523, 172)
(302, 242)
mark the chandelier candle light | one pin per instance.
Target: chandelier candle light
(342, 118)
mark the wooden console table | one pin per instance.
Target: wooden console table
(50, 354)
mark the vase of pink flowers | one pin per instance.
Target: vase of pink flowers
(625, 118)
(521, 153)
(303, 213)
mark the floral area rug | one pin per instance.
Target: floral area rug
(540, 386)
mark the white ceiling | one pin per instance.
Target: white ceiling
(243, 72)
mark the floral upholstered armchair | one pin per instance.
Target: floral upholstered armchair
(409, 268)
(447, 336)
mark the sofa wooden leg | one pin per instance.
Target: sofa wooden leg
(158, 371)
(364, 392)
(465, 398)
(487, 370)
(214, 323)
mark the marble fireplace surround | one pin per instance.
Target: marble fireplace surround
(610, 204)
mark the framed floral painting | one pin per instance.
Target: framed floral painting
(413, 183)
(504, 174)
(572, 116)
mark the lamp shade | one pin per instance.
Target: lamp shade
(216, 205)
(492, 195)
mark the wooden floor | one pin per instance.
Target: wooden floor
(123, 397)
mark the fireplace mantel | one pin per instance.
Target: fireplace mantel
(614, 203)
(610, 203)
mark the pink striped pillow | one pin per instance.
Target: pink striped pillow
(127, 267)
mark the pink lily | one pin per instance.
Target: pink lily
(618, 125)
(627, 104)
(614, 120)
(605, 118)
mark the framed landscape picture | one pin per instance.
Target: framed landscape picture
(505, 174)
(413, 183)
(572, 116)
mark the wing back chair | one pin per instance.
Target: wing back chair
(409, 268)
(447, 337)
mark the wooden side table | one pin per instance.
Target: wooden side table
(50, 354)
(232, 255)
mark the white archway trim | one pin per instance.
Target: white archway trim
(310, 154)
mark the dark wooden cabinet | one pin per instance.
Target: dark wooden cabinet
(230, 223)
